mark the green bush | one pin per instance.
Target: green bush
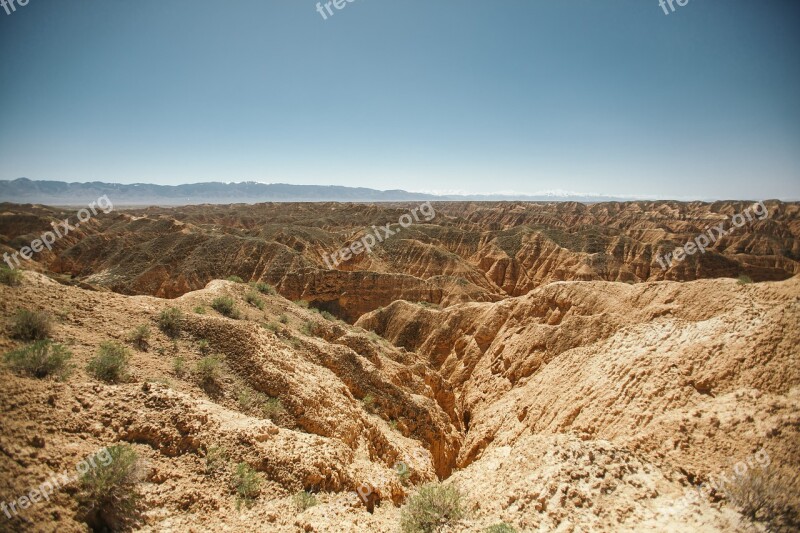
(208, 370)
(108, 491)
(273, 409)
(368, 402)
(225, 306)
(111, 363)
(434, 506)
(31, 325)
(254, 299)
(140, 336)
(309, 328)
(301, 303)
(170, 321)
(204, 347)
(178, 366)
(41, 359)
(304, 500)
(744, 280)
(199, 309)
(216, 458)
(235, 279)
(247, 483)
(500, 528)
(10, 277)
(328, 316)
(264, 288)
(283, 319)
(272, 326)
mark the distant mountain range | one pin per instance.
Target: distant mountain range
(60, 193)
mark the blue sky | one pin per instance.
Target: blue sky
(607, 97)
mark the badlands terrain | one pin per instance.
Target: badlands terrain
(533, 357)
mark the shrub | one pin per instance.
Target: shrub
(254, 299)
(111, 363)
(225, 306)
(247, 483)
(140, 336)
(41, 359)
(10, 277)
(178, 367)
(31, 325)
(204, 347)
(207, 370)
(272, 326)
(235, 279)
(216, 458)
(170, 321)
(264, 288)
(309, 328)
(304, 500)
(108, 491)
(762, 494)
(199, 309)
(500, 528)
(368, 402)
(328, 316)
(283, 319)
(273, 409)
(744, 280)
(435, 505)
(301, 303)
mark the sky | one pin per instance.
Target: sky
(517, 96)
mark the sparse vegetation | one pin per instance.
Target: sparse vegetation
(178, 367)
(235, 279)
(41, 359)
(434, 506)
(247, 483)
(368, 402)
(225, 306)
(272, 326)
(264, 288)
(170, 321)
(301, 303)
(328, 316)
(744, 280)
(254, 299)
(273, 409)
(10, 277)
(260, 404)
(140, 337)
(203, 347)
(283, 319)
(208, 370)
(108, 491)
(199, 309)
(111, 363)
(500, 528)
(304, 500)
(762, 495)
(31, 325)
(309, 328)
(216, 459)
